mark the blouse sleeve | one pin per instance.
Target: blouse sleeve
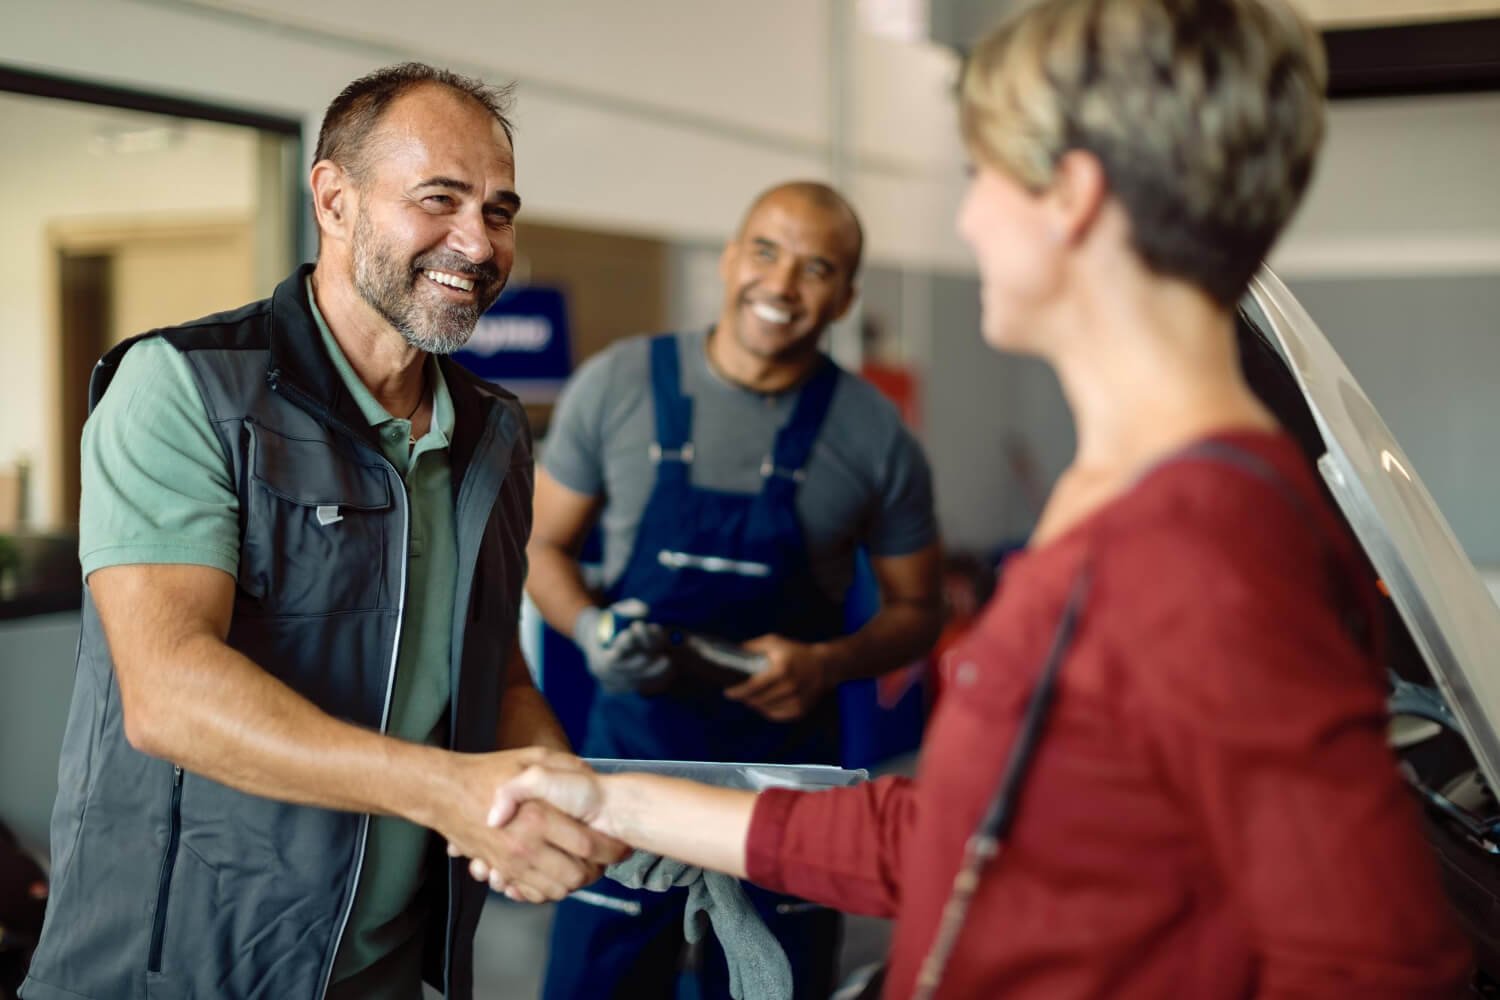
(840, 847)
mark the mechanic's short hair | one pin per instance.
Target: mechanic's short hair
(825, 197)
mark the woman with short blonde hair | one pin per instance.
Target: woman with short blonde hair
(1159, 768)
(1206, 118)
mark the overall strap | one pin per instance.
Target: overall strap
(794, 442)
(673, 447)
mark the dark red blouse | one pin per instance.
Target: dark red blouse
(1213, 812)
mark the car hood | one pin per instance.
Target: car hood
(1453, 620)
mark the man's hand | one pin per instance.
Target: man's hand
(630, 659)
(541, 854)
(551, 786)
(796, 678)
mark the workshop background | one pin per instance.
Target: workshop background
(153, 169)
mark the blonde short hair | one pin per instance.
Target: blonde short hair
(1206, 115)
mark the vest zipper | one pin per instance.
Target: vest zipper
(299, 398)
(385, 721)
(491, 423)
(164, 881)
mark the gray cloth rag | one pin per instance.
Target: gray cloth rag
(758, 967)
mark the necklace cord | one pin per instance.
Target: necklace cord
(411, 437)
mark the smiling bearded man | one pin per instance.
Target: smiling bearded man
(303, 537)
(391, 287)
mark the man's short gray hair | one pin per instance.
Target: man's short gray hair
(352, 117)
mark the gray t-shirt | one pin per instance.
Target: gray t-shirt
(867, 483)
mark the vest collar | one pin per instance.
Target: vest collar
(299, 357)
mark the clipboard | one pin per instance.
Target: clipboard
(749, 777)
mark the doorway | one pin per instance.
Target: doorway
(120, 278)
(120, 212)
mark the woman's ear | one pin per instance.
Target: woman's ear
(1076, 195)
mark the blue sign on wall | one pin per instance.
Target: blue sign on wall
(522, 343)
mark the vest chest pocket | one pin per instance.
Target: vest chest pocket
(316, 524)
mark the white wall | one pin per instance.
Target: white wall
(908, 177)
(1404, 186)
(57, 178)
(657, 116)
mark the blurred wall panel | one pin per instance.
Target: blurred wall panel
(615, 285)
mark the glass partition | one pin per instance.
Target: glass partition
(119, 212)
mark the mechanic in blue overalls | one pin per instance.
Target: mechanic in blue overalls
(733, 473)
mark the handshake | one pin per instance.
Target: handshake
(531, 824)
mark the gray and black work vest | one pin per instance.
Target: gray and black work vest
(169, 885)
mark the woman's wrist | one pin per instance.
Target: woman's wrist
(700, 824)
(614, 795)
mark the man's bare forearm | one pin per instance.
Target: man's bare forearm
(189, 698)
(526, 719)
(225, 718)
(555, 584)
(897, 635)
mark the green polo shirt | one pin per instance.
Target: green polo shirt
(156, 489)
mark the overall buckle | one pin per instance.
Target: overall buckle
(768, 468)
(683, 454)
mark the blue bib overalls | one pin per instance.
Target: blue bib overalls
(733, 566)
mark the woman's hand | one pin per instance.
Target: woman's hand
(506, 813)
(699, 824)
(577, 792)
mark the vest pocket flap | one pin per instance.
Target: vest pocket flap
(315, 474)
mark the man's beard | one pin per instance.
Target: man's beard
(390, 288)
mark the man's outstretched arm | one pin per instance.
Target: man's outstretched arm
(189, 698)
